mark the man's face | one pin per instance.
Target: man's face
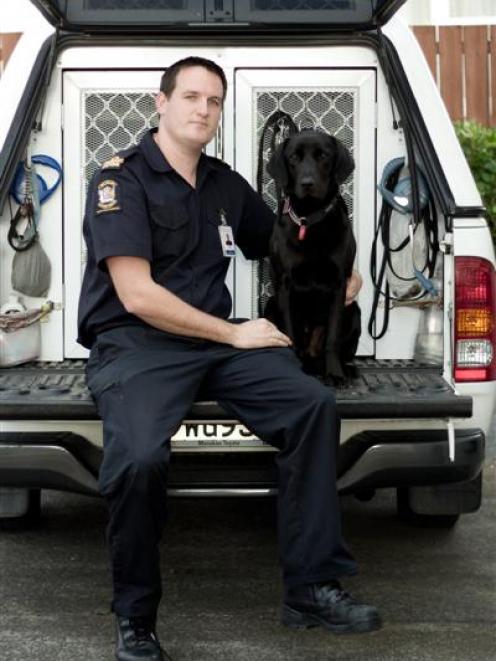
(192, 112)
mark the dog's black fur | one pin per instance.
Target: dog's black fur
(310, 274)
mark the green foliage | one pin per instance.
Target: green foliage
(479, 145)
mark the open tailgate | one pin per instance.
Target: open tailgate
(384, 389)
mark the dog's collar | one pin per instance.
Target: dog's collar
(304, 221)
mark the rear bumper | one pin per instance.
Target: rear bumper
(369, 460)
(410, 458)
(62, 461)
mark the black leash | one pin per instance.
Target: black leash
(425, 218)
(24, 214)
(281, 126)
(278, 126)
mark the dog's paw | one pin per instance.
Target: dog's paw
(335, 381)
(351, 371)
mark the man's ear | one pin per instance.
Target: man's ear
(160, 102)
(344, 163)
(277, 166)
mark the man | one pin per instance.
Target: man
(153, 309)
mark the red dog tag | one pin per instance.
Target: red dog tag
(302, 232)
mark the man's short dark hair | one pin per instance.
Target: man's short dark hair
(168, 82)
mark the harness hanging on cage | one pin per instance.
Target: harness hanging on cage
(407, 228)
(404, 238)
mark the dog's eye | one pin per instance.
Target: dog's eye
(294, 158)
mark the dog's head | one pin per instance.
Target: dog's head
(310, 165)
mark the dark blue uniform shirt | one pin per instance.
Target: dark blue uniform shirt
(138, 205)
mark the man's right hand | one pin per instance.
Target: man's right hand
(158, 307)
(258, 333)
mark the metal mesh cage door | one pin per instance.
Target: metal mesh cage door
(113, 122)
(326, 109)
(104, 112)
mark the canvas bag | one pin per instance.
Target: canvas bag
(31, 268)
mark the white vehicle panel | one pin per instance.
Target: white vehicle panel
(15, 76)
(207, 435)
(434, 113)
(473, 238)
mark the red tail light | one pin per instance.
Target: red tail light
(475, 319)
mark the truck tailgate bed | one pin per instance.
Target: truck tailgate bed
(383, 389)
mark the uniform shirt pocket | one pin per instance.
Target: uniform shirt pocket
(170, 225)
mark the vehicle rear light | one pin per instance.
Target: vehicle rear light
(475, 322)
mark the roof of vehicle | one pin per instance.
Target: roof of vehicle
(106, 16)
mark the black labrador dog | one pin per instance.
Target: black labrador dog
(312, 250)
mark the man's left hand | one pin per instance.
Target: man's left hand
(353, 286)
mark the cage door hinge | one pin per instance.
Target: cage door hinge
(446, 244)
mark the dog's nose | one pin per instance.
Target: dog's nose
(307, 182)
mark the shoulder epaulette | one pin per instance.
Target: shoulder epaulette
(116, 161)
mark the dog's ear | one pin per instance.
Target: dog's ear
(277, 166)
(344, 164)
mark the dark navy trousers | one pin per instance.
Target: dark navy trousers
(144, 382)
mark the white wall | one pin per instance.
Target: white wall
(19, 16)
(449, 12)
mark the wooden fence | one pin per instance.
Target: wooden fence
(462, 60)
(8, 42)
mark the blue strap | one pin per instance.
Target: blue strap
(427, 284)
(44, 190)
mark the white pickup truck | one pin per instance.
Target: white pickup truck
(81, 89)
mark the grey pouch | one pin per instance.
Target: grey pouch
(31, 271)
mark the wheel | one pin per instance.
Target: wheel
(20, 509)
(364, 495)
(439, 505)
(408, 515)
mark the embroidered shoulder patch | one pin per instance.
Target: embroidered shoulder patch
(113, 163)
(107, 196)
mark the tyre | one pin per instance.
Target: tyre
(20, 509)
(440, 505)
(408, 515)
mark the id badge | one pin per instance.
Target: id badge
(227, 241)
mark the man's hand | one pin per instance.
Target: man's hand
(258, 333)
(353, 286)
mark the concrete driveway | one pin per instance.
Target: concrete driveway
(436, 589)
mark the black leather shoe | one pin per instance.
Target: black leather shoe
(329, 606)
(137, 640)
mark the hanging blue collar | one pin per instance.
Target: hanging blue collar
(18, 186)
